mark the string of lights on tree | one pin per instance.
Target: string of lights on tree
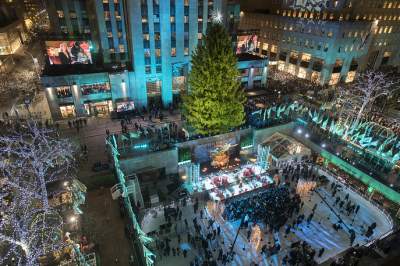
(31, 158)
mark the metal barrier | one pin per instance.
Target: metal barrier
(387, 215)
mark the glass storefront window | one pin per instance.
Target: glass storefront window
(315, 77)
(292, 69)
(95, 88)
(257, 71)
(244, 72)
(125, 106)
(334, 79)
(102, 108)
(153, 87)
(178, 84)
(302, 73)
(64, 92)
(67, 111)
(350, 76)
(281, 65)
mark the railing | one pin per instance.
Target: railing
(388, 216)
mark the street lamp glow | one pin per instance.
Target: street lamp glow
(323, 145)
(307, 135)
(72, 219)
(299, 131)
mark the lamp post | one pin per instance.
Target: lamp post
(230, 253)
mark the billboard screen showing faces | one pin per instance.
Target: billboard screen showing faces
(68, 52)
(246, 44)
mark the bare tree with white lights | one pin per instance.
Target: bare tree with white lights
(31, 159)
(368, 87)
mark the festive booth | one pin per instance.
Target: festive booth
(284, 149)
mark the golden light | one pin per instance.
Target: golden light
(72, 219)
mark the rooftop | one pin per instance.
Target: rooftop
(249, 57)
(61, 70)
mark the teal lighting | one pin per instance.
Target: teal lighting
(372, 183)
(143, 239)
(141, 146)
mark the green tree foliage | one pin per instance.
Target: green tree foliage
(215, 101)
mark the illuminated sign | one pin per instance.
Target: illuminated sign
(68, 52)
(246, 44)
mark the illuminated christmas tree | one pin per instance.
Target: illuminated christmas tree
(215, 101)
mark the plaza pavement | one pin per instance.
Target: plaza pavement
(22, 62)
(102, 220)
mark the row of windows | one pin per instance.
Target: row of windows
(333, 16)
(379, 4)
(385, 29)
(391, 5)
(107, 15)
(315, 76)
(320, 46)
(318, 31)
(85, 28)
(381, 43)
(374, 17)
(72, 14)
(121, 45)
(305, 59)
(158, 69)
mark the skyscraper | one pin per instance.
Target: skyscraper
(147, 42)
(327, 41)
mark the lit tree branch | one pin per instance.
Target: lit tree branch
(31, 158)
(368, 87)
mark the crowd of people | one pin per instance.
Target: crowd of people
(77, 123)
(200, 237)
(273, 206)
(202, 233)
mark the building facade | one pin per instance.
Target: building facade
(328, 42)
(12, 33)
(146, 43)
(253, 71)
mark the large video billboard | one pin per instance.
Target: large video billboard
(68, 52)
(246, 43)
